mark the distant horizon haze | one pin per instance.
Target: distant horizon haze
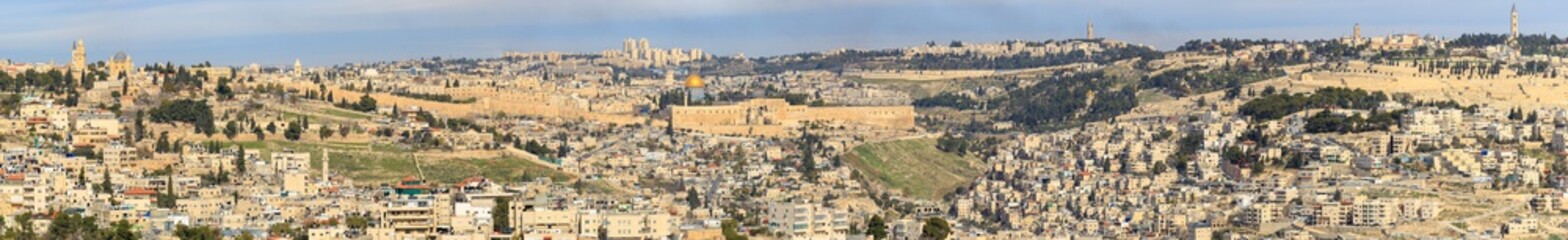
(323, 33)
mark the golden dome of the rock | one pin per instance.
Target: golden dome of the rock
(695, 81)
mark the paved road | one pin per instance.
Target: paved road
(1495, 211)
(1320, 232)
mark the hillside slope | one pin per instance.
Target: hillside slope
(914, 167)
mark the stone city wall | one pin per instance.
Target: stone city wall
(539, 104)
(762, 116)
(894, 117)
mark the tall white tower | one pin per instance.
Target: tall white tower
(1357, 35)
(1091, 29)
(78, 56)
(1513, 25)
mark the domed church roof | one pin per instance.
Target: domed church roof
(120, 57)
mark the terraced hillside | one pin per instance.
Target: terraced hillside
(914, 167)
(386, 163)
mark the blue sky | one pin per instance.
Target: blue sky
(326, 32)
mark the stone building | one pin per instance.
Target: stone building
(120, 65)
(774, 117)
(78, 56)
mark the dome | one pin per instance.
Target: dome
(120, 57)
(695, 81)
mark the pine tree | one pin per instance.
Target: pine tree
(325, 132)
(692, 199)
(935, 228)
(239, 160)
(876, 227)
(140, 127)
(163, 143)
(501, 215)
(107, 186)
(168, 198)
(260, 136)
(292, 133)
(231, 130)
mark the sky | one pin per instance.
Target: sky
(330, 32)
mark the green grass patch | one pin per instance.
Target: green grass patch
(1542, 154)
(322, 115)
(337, 112)
(595, 187)
(386, 163)
(507, 169)
(370, 169)
(914, 167)
(1152, 96)
(288, 115)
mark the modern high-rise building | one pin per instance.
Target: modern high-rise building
(638, 49)
(807, 221)
(642, 43)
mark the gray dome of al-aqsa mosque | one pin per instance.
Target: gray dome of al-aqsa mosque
(120, 56)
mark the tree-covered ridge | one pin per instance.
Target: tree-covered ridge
(365, 104)
(1021, 61)
(52, 81)
(1063, 101)
(947, 99)
(439, 97)
(1188, 81)
(1542, 44)
(1226, 44)
(1470, 40)
(896, 59)
(181, 78)
(818, 61)
(1325, 122)
(1276, 106)
(1529, 44)
(196, 113)
(1323, 48)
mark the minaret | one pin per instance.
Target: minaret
(1091, 29)
(297, 68)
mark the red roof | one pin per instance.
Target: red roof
(474, 179)
(15, 177)
(140, 191)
